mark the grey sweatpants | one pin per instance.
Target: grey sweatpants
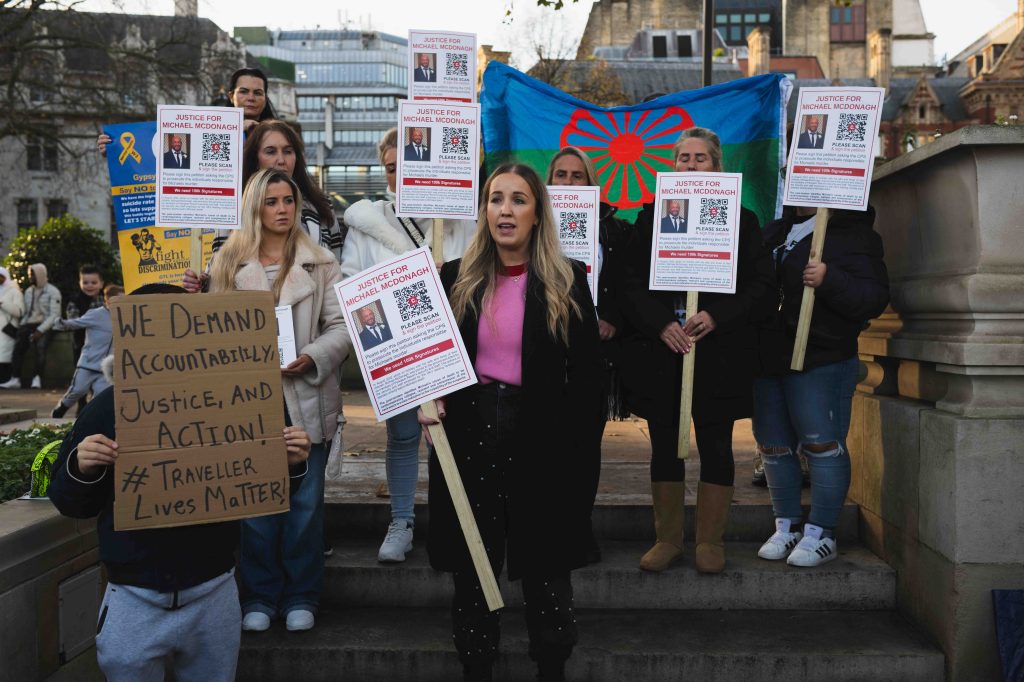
(198, 630)
(84, 380)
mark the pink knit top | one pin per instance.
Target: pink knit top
(499, 352)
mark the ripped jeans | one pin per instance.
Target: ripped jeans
(807, 412)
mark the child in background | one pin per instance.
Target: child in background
(96, 326)
(89, 296)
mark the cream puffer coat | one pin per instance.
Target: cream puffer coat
(314, 399)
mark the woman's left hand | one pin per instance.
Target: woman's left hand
(426, 421)
(814, 274)
(299, 366)
(297, 442)
(699, 326)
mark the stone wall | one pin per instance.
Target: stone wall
(937, 435)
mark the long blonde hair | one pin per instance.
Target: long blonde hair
(480, 263)
(244, 245)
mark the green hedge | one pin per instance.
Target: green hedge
(18, 449)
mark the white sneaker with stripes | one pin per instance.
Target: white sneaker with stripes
(779, 545)
(813, 549)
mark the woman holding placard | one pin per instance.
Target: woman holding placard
(281, 566)
(809, 411)
(723, 332)
(572, 167)
(377, 234)
(527, 318)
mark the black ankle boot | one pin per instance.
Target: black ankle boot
(551, 671)
(477, 672)
(59, 411)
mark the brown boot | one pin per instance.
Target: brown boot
(667, 497)
(712, 513)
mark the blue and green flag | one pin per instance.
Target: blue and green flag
(529, 121)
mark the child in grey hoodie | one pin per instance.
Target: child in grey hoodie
(98, 344)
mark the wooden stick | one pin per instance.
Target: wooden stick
(197, 250)
(686, 398)
(803, 326)
(466, 519)
(438, 247)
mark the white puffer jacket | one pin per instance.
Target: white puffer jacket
(314, 399)
(375, 235)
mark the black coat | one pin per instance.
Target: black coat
(726, 359)
(562, 397)
(854, 291)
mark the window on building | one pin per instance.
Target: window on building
(735, 27)
(684, 46)
(659, 47)
(310, 103)
(846, 24)
(41, 154)
(920, 111)
(28, 217)
(312, 137)
(56, 208)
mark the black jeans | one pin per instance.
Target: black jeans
(22, 344)
(714, 444)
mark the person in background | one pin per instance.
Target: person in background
(248, 91)
(89, 296)
(12, 307)
(99, 341)
(724, 333)
(528, 321)
(377, 234)
(42, 302)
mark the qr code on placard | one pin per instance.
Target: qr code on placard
(852, 127)
(456, 64)
(456, 141)
(714, 211)
(572, 227)
(413, 301)
(216, 147)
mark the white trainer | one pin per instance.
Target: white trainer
(13, 382)
(397, 543)
(298, 620)
(37, 382)
(813, 549)
(781, 543)
(255, 621)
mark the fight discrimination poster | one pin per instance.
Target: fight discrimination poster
(438, 160)
(199, 167)
(442, 66)
(696, 232)
(832, 156)
(405, 336)
(148, 254)
(576, 215)
(199, 409)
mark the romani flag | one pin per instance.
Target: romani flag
(529, 121)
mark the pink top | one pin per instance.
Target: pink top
(499, 351)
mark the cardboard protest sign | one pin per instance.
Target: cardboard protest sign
(696, 232)
(442, 66)
(832, 156)
(199, 409)
(199, 169)
(576, 216)
(438, 160)
(406, 339)
(148, 254)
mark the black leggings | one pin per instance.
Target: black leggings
(714, 444)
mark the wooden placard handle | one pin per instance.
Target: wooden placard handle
(803, 326)
(462, 509)
(686, 397)
(437, 248)
(196, 255)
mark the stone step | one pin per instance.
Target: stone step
(856, 580)
(14, 415)
(747, 522)
(371, 644)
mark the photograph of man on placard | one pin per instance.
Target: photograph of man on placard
(372, 325)
(425, 71)
(176, 154)
(813, 135)
(673, 216)
(418, 147)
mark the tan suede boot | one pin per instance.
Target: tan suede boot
(713, 503)
(667, 497)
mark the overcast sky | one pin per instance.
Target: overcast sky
(954, 26)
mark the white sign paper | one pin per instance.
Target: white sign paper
(405, 336)
(438, 160)
(285, 334)
(696, 232)
(832, 155)
(198, 167)
(576, 219)
(442, 66)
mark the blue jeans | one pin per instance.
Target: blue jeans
(282, 557)
(402, 463)
(799, 410)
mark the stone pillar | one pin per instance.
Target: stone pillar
(937, 435)
(186, 8)
(759, 51)
(880, 56)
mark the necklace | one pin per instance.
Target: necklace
(273, 261)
